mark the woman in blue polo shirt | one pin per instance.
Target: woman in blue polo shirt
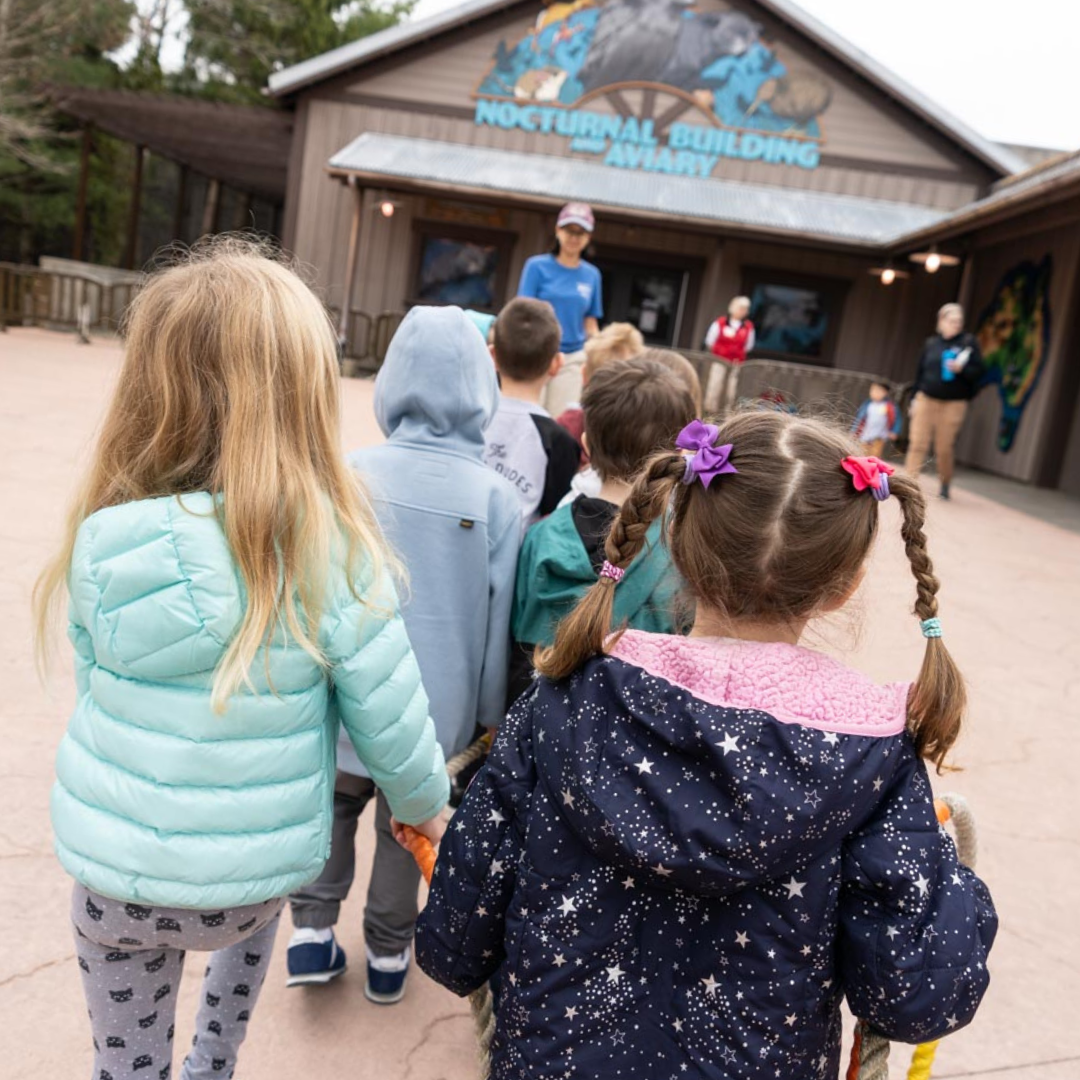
(572, 287)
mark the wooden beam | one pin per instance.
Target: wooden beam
(80, 199)
(131, 248)
(181, 203)
(243, 212)
(210, 207)
(350, 262)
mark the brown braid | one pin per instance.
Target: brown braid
(938, 697)
(783, 540)
(583, 632)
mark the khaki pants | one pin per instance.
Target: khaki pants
(938, 423)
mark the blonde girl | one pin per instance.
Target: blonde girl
(685, 852)
(229, 604)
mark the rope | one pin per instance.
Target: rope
(480, 1002)
(870, 1054)
(922, 1060)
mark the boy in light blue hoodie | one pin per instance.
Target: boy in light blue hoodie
(456, 525)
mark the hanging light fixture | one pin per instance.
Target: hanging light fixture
(888, 273)
(387, 208)
(933, 260)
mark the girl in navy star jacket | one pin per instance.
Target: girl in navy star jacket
(683, 853)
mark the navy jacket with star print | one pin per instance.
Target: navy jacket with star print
(678, 861)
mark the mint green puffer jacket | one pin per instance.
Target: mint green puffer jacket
(160, 800)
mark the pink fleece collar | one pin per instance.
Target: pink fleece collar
(792, 684)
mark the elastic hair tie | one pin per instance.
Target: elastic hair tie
(613, 573)
(931, 628)
(869, 474)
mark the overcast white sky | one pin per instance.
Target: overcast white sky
(1009, 68)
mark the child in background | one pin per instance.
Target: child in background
(617, 341)
(877, 421)
(631, 409)
(523, 443)
(683, 853)
(682, 367)
(457, 526)
(588, 482)
(230, 607)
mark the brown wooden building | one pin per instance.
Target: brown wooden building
(726, 148)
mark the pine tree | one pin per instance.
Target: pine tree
(234, 45)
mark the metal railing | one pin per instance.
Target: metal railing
(368, 338)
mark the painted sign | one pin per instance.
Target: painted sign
(710, 86)
(1013, 332)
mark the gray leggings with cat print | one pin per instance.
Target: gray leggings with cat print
(132, 957)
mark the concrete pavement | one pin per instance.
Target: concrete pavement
(1010, 607)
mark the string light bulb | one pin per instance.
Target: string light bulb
(933, 262)
(888, 276)
(386, 208)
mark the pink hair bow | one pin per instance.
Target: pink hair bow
(869, 473)
(708, 461)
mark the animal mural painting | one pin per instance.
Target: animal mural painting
(718, 61)
(1013, 332)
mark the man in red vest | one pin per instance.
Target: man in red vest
(731, 336)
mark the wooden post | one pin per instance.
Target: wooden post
(967, 283)
(131, 249)
(243, 213)
(350, 261)
(210, 207)
(80, 199)
(181, 201)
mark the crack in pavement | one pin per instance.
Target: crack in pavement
(34, 971)
(424, 1035)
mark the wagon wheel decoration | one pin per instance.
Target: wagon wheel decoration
(651, 101)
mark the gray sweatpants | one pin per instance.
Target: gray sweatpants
(132, 957)
(392, 904)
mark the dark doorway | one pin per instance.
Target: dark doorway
(655, 294)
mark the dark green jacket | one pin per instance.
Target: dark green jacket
(555, 569)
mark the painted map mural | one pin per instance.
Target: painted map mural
(1013, 332)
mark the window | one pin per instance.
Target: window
(462, 266)
(794, 317)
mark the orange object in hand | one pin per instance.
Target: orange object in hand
(422, 850)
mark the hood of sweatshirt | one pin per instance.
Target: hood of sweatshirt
(652, 773)
(437, 384)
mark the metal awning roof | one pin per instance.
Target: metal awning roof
(290, 80)
(1051, 180)
(244, 146)
(547, 180)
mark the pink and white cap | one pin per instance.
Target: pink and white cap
(577, 213)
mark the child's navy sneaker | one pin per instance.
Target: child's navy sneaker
(313, 957)
(386, 977)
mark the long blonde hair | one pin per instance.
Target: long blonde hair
(778, 541)
(229, 385)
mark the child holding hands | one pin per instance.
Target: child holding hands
(683, 853)
(230, 605)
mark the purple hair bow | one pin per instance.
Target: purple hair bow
(708, 461)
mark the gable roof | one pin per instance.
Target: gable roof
(1054, 179)
(319, 68)
(243, 146)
